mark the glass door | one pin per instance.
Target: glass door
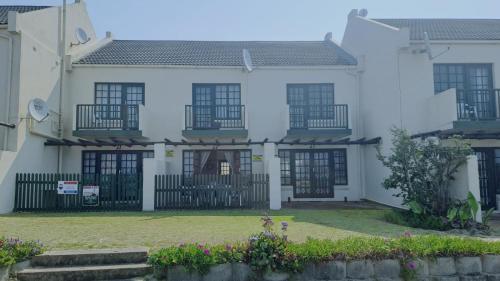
(489, 175)
(479, 85)
(202, 107)
(313, 174)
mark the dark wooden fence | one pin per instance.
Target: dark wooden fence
(38, 192)
(211, 191)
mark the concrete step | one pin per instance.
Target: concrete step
(85, 273)
(90, 257)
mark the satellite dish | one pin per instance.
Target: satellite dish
(427, 43)
(328, 36)
(81, 36)
(38, 109)
(247, 60)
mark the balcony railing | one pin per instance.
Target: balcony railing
(319, 116)
(477, 105)
(107, 117)
(208, 117)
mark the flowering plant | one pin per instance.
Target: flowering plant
(266, 251)
(13, 250)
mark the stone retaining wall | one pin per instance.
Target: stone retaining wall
(485, 268)
(9, 270)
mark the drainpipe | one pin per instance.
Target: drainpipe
(62, 54)
(9, 89)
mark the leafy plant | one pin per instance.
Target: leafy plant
(421, 171)
(14, 250)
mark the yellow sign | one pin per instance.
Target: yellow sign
(257, 157)
(169, 153)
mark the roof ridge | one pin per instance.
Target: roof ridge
(221, 41)
(478, 19)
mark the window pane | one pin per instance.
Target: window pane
(286, 177)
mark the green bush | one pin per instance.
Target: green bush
(197, 257)
(14, 250)
(295, 256)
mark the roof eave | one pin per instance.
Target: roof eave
(493, 41)
(339, 66)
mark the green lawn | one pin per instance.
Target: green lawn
(126, 229)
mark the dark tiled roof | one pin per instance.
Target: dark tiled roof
(4, 10)
(220, 53)
(449, 29)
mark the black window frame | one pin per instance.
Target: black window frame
(290, 179)
(97, 164)
(192, 160)
(310, 107)
(449, 74)
(227, 107)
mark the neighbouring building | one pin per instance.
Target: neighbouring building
(307, 114)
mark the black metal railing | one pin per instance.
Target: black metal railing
(203, 117)
(107, 117)
(478, 104)
(319, 116)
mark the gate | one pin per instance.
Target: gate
(211, 191)
(38, 192)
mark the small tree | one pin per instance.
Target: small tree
(422, 171)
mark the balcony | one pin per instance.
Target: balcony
(472, 111)
(215, 121)
(100, 120)
(318, 121)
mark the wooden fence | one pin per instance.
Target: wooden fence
(211, 191)
(38, 192)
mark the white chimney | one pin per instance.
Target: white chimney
(328, 36)
(363, 13)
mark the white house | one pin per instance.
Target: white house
(442, 88)
(305, 113)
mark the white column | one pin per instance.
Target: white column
(467, 180)
(272, 168)
(148, 184)
(160, 161)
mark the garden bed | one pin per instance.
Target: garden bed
(15, 255)
(408, 257)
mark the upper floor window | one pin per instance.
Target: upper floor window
(462, 77)
(310, 105)
(119, 93)
(224, 99)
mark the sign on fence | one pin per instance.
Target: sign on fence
(90, 194)
(67, 187)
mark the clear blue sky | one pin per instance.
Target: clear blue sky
(256, 19)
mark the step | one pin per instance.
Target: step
(90, 257)
(85, 273)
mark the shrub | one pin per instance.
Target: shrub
(14, 250)
(271, 251)
(197, 257)
(421, 171)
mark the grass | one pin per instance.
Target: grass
(161, 229)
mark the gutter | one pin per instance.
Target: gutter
(62, 50)
(9, 87)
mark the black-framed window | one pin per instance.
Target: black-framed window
(191, 161)
(107, 162)
(462, 76)
(286, 174)
(310, 102)
(119, 93)
(337, 158)
(224, 98)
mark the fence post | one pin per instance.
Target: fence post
(272, 168)
(148, 184)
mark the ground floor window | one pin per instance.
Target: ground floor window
(114, 162)
(489, 175)
(313, 173)
(217, 162)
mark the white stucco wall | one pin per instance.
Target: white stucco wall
(398, 85)
(34, 73)
(263, 92)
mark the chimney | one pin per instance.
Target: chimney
(353, 13)
(363, 13)
(109, 34)
(328, 37)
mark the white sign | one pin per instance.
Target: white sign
(90, 195)
(67, 187)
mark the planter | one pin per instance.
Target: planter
(4, 273)
(275, 276)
